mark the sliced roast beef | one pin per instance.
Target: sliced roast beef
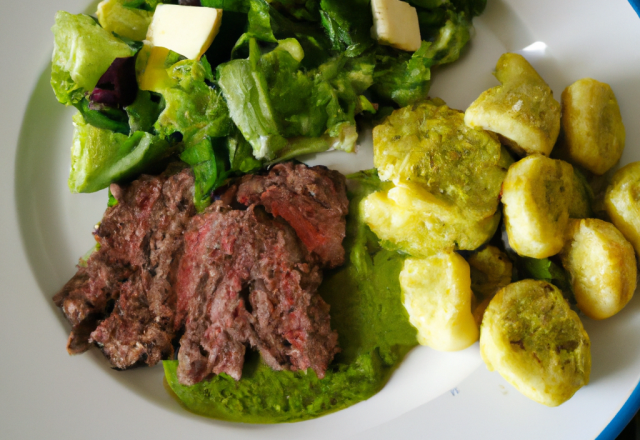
(131, 273)
(312, 200)
(245, 279)
(232, 277)
(87, 296)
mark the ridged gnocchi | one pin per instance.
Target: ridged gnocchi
(593, 135)
(602, 266)
(622, 202)
(536, 194)
(417, 223)
(530, 335)
(522, 111)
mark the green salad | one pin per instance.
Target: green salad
(280, 79)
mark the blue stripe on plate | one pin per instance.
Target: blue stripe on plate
(636, 5)
(624, 416)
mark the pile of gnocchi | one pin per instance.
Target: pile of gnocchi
(467, 194)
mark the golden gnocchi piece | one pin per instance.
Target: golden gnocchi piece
(622, 202)
(530, 335)
(491, 270)
(580, 205)
(522, 111)
(536, 194)
(593, 132)
(602, 266)
(479, 309)
(436, 292)
(414, 221)
(428, 144)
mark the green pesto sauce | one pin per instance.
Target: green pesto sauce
(374, 336)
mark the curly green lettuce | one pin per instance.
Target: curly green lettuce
(192, 107)
(100, 156)
(283, 110)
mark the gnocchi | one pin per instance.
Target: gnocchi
(417, 223)
(602, 266)
(522, 111)
(622, 202)
(536, 195)
(593, 134)
(530, 335)
(436, 292)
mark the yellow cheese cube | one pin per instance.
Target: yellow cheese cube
(395, 24)
(187, 30)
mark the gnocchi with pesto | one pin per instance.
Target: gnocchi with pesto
(530, 335)
(602, 266)
(522, 111)
(593, 132)
(507, 251)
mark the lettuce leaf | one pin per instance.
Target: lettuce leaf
(108, 119)
(299, 9)
(245, 90)
(348, 25)
(402, 78)
(283, 110)
(405, 78)
(545, 270)
(241, 154)
(118, 17)
(191, 106)
(260, 21)
(144, 111)
(206, 160)
(82, 52)
(452, 37)
(100, 156)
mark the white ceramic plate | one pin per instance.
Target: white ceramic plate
(44, 393)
